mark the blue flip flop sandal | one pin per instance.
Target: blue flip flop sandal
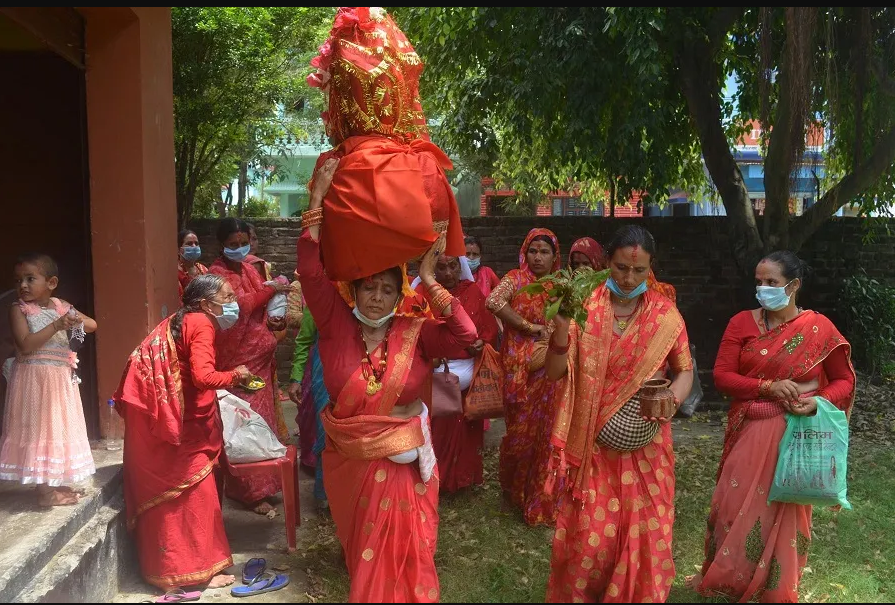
(266, 583)
(253, 569)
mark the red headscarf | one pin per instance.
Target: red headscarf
(590, 248)
(523, 260)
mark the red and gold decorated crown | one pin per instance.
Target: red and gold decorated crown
(371, 73)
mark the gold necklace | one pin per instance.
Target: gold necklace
(623, 321)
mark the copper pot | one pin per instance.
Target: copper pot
(656, 399)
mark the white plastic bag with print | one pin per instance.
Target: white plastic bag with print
(247, 438)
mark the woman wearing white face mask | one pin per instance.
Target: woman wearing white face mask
(173, 440)
(772, 361)
(378, 465)
(248, 342)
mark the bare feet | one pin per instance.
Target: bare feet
(263, 507)
(693, 582)
(55, 496)
(72, 490)
(221, 580)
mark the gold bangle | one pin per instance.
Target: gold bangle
(441, 301)
(311, 218)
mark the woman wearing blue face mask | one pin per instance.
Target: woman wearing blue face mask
(485, 277)
(614, 469)
(772, 361)
(173, 440)
(189, 253)
(248, 342)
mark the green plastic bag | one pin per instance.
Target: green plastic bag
(811, 467)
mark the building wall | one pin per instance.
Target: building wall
(130, 137)
(694, 255)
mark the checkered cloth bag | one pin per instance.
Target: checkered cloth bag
(627, 431)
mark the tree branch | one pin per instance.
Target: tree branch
(845, 190)
(700, 80)
(720, 24)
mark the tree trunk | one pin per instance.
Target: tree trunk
(613, 192)
(225, 204)
(778, 167)
(243, 188)
(845, 190)
(184, 207)
(700, 81)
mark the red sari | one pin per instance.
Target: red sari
(280, 429)
(184, 278)
(172, 442)
(458, 442)
(755, 550)
(529, 398)
(252, 344)
(613, 533)
(386, 516)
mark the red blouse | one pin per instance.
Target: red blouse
(740, 331)
(195, 351)
(341, 344)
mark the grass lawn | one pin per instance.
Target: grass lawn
(487, 555)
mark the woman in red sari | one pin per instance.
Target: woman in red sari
(485, 277)
(378, 466)
(278, 327)
(529, 404)
(613, 533)
(188, 266)
(772, 361)
(587, 252)
(173, 441)
(249, 343)
(458, 442)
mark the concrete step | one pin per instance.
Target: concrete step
(31, 536)
(87, 568)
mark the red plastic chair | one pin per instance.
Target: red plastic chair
(287, 467)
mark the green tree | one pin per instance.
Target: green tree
(631, 99)
(238, 71)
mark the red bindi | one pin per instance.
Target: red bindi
(634, 254)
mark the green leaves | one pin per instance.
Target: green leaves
(234, 70)
(568, 292)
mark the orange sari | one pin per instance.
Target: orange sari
(613, 533)
(386, 517)
(755, 549)
(529, 400)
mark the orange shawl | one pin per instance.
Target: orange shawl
(603, 376)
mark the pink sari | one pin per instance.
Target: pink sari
(755, 549)
(252, 344)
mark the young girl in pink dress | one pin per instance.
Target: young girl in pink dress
(44, 433)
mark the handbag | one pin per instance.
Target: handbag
(538, 356)
(485, 396)
(627, 431)
(447, 399)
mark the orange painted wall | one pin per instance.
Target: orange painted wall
(130, 138)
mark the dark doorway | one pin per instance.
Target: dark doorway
(44, 180)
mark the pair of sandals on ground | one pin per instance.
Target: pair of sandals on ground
(255, 579)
